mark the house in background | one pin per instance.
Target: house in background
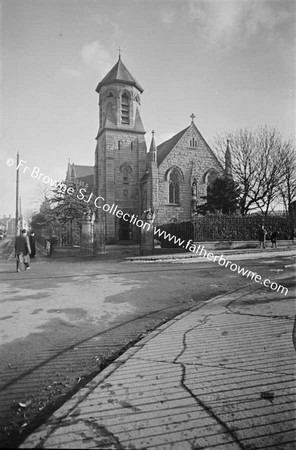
(2, 229)
(9, 224)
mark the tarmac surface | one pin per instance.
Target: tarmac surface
(219, 376)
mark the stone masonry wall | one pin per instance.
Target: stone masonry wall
(115, 190)
(194, 164)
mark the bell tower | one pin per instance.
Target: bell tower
(120, 156)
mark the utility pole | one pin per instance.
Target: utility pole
(20, 215)
(17, 194)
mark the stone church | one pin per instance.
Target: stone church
(170, 179)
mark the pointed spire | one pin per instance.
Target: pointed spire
(119, 74)
(73, 175)
(153, 149)
(228, 165)
(68, 173)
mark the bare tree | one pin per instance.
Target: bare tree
(288, 185)
(29, 213)
(43, 192)
(256, 166)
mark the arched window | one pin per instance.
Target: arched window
(125, 170)
(174, 186)
(125, 110)
(211, 177)
(125, 173)
(194, 189)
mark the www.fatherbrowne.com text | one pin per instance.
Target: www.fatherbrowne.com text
(158, 233)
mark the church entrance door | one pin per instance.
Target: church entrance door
(125, 230)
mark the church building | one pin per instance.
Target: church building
(170, 180)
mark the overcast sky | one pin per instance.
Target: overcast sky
(230, 62)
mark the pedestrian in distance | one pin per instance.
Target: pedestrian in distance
(22, 251)
(262, 236)
(52, 242)
(273, 238)
(48, 247)
(32, 244)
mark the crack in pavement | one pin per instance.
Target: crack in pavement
(98, 434)
(208, 409)
(214, 366)
(202, 404)
(271, 316)
(103, 437)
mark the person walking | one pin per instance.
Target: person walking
(273, 238)
(48, 247)
(22, 251)
(262, 236)
(32, 244)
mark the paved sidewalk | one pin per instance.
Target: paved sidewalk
(227, 254)
(221, 376)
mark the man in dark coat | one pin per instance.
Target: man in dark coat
(22, 251)
(32, 244)
(273, 238)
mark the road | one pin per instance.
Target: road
(65, 320)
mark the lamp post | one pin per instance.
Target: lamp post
(17, 194)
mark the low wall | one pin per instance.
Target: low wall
(226, 245)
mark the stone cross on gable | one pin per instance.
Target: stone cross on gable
(119, 52)
(192, 117)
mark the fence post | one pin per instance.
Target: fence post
(147, 234)
(86, 239)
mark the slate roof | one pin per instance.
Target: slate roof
(119, 74)
(86, 174)
(89, 180)
(139, 127)
(83, 171)
(164, 149)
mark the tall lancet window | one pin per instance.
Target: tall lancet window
(125, 110)
(125, 174)
(174, 187)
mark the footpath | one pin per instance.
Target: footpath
(239, 253)
(219, 376)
